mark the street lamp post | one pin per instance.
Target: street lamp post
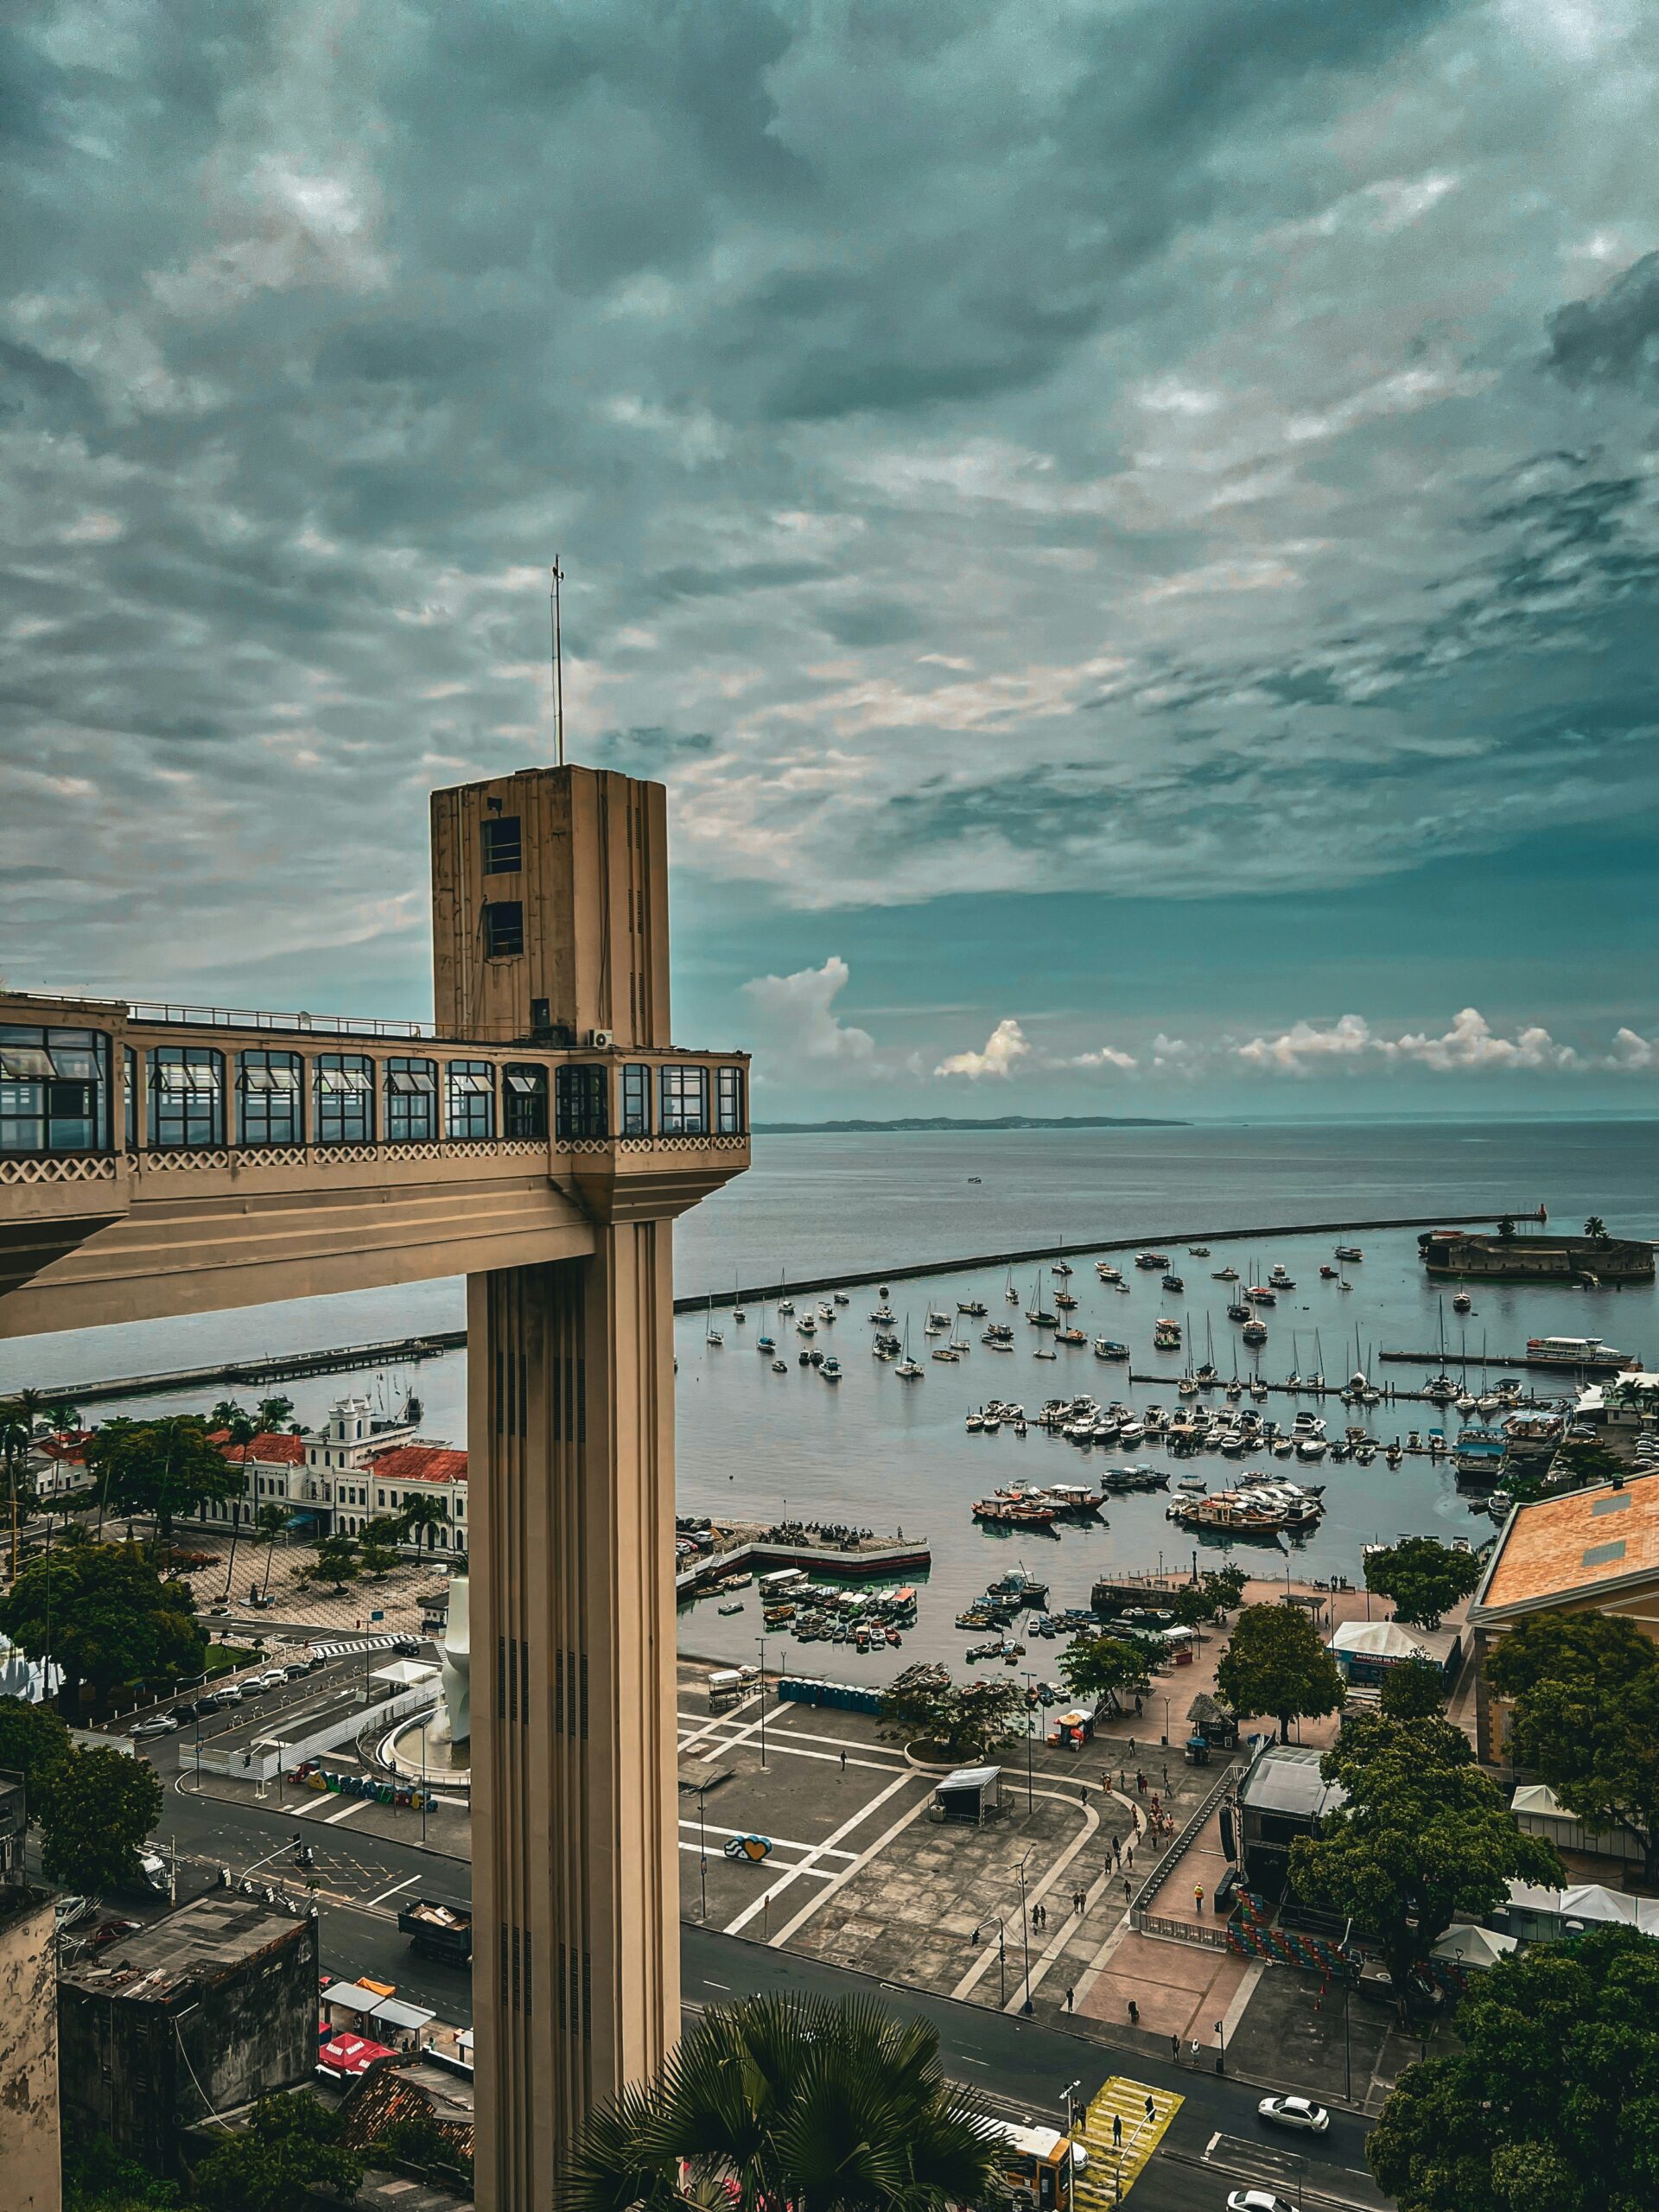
(1030, 1723)
(1221, 2046)
(1165, 1704)
(703, 1857)
(1024, 1932)
(999, 1925)
(762, 1642)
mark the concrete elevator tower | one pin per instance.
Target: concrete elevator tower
(540, 1137)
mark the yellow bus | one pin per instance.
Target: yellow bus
(1033, 2168)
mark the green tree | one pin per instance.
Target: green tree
(1580, 1461)
(35, 1742)
(1413, 1690)
(1097, 1667)
(1550, 2102)
(102, 1615)
(1596, 1745)
(379, 1554)
(270, 1521)
(966, 1723)
(96, 1811)
(1424, 1577)
(1422, 1837)
(1276, 1664)
(841, 2107)
(1506, 1228)
(336, 1561)
(1568, 1647)
(240, 1429)
(18, 1415)
(96, 2177)
(290, 2148)
(274, 1414)
(165, 1467)
(1596, 1227)
(423, 1510)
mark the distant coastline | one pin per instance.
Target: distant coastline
(950, 1124)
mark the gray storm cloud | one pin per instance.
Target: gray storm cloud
(992, 448)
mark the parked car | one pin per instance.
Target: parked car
(296, 1668)
(274, 1678)
(69, 1910)
(156, 1723)
(1257, 2199)
(407, 1647)
(230, 1695)
(1295, 2112)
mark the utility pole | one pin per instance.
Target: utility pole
(1030, 1723)
(762, 1642)
(703, 1857)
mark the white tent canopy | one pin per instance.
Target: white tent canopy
(1474, 1946)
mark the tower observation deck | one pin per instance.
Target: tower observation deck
(540, 1136)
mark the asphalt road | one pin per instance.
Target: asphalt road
(1216, 2142)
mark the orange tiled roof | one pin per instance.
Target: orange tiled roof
(419, 1462)
(270, 1447)
(1579, 1543)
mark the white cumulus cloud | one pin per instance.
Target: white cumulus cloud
(1005, 1047)
(797, 1014)
(1633, 1052)
(1305, 1043)
(1104, 1057)
(1470, 1042)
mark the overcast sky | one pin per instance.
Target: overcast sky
(1127, 527)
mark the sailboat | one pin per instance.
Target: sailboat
(738, 1315)
(785, 1304)
(710, 1334)
(1036, 1312)
(1315, 1380)
(1440, 1386)
(1293, 1380)
(912, 1370)
(1009, 1292)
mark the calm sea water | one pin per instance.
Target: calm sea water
(880, 1453)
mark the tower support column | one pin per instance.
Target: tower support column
(576, 1862)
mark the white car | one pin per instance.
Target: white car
(1295, 2112)
(69, 1910)
(159, 1723)
(1256, 2200)
(274, 1678)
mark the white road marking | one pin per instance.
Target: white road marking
(799, 1867)
(353, 1805)
(805, 1866)
(393, 1891)
(847, 1873)
(779, 1842)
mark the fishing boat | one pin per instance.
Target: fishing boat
(1350, 1253)
(1198, 1251)
(1072, 1335)
(1064, 1300)
(1109, 1347)
(882, 1317)
(1238, 1310)
(973, 1306)
(1255, 1331)
(1462, 1303)
(1224, 1274)
(1106, 1272)
(1152, 1260)
(1165, 1334)
(1014, 1513)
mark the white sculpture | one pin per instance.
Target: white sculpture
(457, 1652)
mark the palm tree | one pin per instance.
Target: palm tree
(1596, 1227)
(242, 1428)
(422, 1511)
(17, 1431)
(819, 2106)
(269, 1522)
(274, 1414)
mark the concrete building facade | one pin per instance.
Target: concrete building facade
(200, 2013)
(30, 2149)
(540, 1138)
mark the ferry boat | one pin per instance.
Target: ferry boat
(1109, 1347)
(1575, 1351)
(1350, 1253)
(1255, 1331)
(1151, 1260)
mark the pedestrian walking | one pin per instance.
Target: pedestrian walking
(1135, 2013)
(1140, 1783)
(1174, 2060)
(1126, 1891)
(1068, 1999)
(1197, 1897)
(1117, 2131)
(1165, 1776)
(843, 1762)
(1083, 1793)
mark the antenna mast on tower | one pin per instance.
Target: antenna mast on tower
(557, 578)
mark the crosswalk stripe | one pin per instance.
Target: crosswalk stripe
(1113, 2171)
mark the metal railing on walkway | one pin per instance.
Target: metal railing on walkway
(1140, 1916)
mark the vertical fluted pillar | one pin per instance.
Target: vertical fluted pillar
(575, 1881)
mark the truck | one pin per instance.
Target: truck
(437, 1930)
